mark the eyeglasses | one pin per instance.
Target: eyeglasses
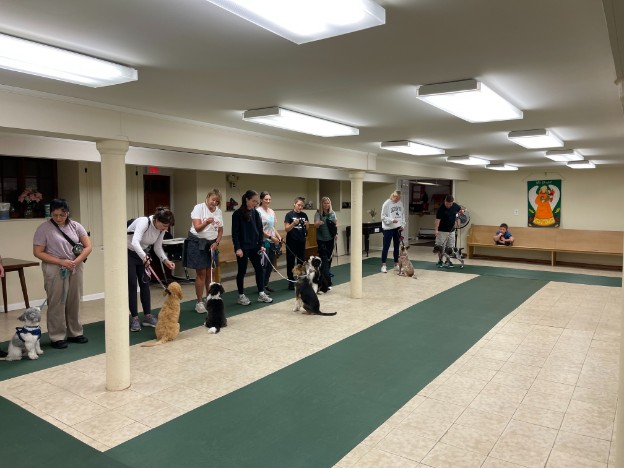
(64, 214)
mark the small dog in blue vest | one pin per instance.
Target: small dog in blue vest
(27, 339)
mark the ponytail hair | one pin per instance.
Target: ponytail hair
(246, 212)
(164, 215)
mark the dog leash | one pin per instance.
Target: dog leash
(263, 257)
(213, 262)
(150, 271)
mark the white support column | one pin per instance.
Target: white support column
(357, 201)
(619, 415)
(117, 335)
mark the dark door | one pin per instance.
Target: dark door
(156, 193)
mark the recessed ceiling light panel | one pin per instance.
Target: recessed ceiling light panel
(564, 155)
(467, 160)
(411, 147)
(535, 139)
(581, 165)
(43, 60)
(298, 122)
(302, 21)
(470, 100)
(501, 167)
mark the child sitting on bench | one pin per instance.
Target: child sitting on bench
(503, 236)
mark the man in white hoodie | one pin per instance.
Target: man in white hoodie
(393, 222)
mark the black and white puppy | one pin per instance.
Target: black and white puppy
(27, 339)
(313, 270)
(305, 295)
(215, 319)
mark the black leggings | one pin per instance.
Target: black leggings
(294, 248)
(325, 250)
(251, 255)
(137, 275)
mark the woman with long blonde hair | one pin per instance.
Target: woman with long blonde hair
(326, 235)
(202, 241)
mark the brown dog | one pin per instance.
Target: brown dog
(168, 326)
(405, 266)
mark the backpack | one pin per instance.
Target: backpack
(332, 228)
(130, 221)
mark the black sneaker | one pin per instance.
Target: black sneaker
(449, 265)
(267, 288)
(60, 344)
(291, 286)
(77, 339)
(3, 354)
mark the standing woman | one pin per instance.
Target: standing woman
(392, 222)
(296, 225)
(144, 234)
(272, 238)
(202, 241)
(248, 239)
(62, 263)
(326, 233)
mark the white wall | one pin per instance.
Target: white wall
(589, 198)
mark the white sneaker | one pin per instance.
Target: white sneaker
(263, 297)
(243, 300)
(200, 308)
(396, 267)
(384, 269)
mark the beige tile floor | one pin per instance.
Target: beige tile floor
(540, 389)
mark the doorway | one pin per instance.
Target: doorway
(156, 192)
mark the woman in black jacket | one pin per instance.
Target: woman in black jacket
(248, 237)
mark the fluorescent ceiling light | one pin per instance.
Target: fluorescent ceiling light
(33, 58)
(564, 155)
(302, 21)
(501, 167)
(581, 165)
(533, 139)
(467, 160)
(298, 122)
(470, 100)
(411, 147)
(426, 182)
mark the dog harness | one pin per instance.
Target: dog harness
(35, 331)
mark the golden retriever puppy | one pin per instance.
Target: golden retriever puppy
(168, 326)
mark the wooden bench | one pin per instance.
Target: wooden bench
(227, 254)
(551, 240)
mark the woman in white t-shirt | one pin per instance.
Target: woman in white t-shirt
(272, 238)
(202, 241)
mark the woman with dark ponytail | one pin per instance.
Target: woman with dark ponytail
(248, 239)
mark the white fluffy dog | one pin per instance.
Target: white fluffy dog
(27, 338)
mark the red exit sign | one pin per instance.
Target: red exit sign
(153, 170)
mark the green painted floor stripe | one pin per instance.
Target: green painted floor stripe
(577, 278)
(27, 442)
(315, 411)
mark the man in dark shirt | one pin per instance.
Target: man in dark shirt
(445, 224)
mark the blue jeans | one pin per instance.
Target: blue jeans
(388, 236)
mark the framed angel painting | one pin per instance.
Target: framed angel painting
(544, 203)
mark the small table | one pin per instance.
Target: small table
(15, 264)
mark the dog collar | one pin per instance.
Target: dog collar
(35, 331)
